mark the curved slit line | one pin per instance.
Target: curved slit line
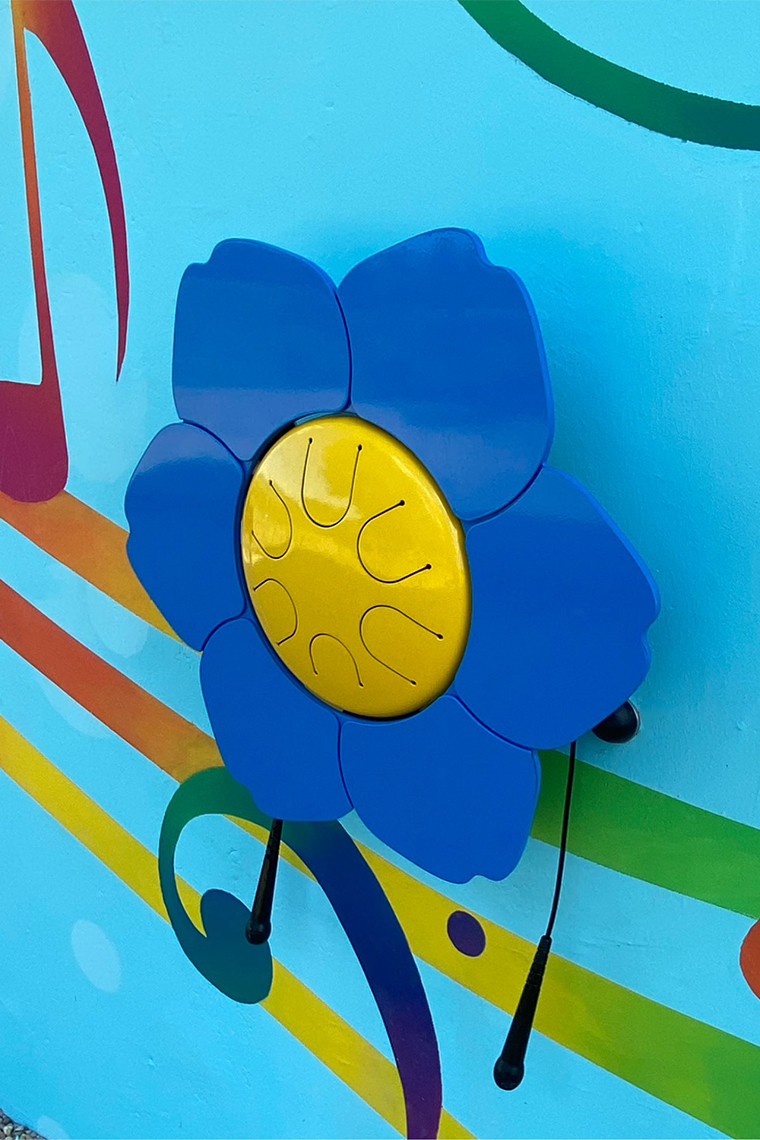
(293, 604)
(409, 618)
(348, 651)
(276, 557)
(374, 655)
(327, 526)
(386, 581)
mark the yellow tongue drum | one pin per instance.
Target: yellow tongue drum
(356, 567)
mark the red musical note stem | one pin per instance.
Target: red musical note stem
(33, 453)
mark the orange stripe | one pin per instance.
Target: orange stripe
(162, 735)
(168, 740)
(88, 543)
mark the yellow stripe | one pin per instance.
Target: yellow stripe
(310, 1020)
(497, 974)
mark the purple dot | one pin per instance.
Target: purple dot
(466, 933)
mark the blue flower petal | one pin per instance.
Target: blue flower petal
(442, 790)
(182, 507)
(447, 356)
(560, 608)
(259, 340)
(274, 738)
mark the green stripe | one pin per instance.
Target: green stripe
(706, 1072)
(667, 110)
(648, 835)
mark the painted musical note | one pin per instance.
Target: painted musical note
(33, 452)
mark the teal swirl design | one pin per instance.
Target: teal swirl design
(244, 972)
(223, 954)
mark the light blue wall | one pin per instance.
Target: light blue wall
(335, 129)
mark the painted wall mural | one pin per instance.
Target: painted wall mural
(381, 1000)
(638, 98)
(33, 456)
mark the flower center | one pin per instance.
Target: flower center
(356, 567)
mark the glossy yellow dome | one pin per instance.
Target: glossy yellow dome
(356, 567)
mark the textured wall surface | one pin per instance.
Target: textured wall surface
(334, 130)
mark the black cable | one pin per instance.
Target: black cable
(510, 1067)
(563, 841)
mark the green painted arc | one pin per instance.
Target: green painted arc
(627, 94)
(651, 836)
